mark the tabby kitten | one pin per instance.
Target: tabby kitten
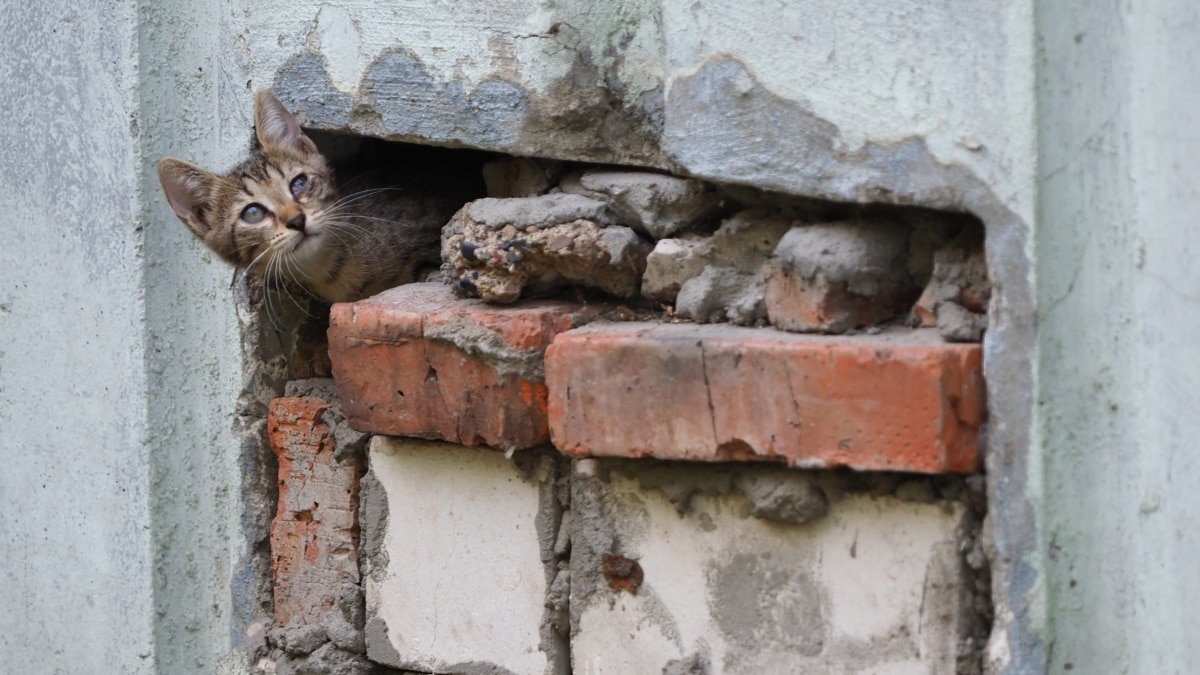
(285, 216)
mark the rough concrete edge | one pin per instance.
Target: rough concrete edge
(397, 84)
(905, 173)
(551, 472)
(265, 371)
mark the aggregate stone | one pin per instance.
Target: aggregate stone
(501, 248)
(672, 262)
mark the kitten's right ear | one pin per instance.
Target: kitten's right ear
(276, 128)
(188, 189)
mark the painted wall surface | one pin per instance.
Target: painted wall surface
(120, 364)
(76, 579)
(1118, 286)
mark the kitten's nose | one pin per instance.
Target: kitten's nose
(296, 222)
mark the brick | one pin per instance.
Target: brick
(901, 400)
(876, 586)
(314, 536)
(820, 306)
(416, 361)
(831, 277)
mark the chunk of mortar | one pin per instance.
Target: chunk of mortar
(541, 211)
(730, 285)
(783, 497)
(862, 254)
(654, 204)
(831, 277)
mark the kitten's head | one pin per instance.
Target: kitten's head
(266, 213)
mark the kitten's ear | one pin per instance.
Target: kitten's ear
(276, 128)
(188, 189)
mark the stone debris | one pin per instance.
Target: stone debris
(672, 262)
(656, 205)
(957, 295)
(730, 284)
(958, 324)
(500, 248)
(833, 277)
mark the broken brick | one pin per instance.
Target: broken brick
(314, 536)
(900, 400)
(416, 361)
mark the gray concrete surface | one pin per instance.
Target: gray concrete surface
(119, 368)
(1118, 285)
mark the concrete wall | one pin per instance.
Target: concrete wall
(120, 363)
(1118, 287)
(77, 580)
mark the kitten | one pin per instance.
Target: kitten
(285, 216)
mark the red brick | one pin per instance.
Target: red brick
(901, 401)
(314, 537)
(817, 306)
(416, 361)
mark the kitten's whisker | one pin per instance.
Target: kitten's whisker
(293, 268)
(268, 292)
(360, 195)
(249, 267)
(354, 228)
(283, 267)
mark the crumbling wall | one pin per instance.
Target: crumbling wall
(694, 122)
(491, 537)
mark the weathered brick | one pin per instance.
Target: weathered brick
(831, 277)
(416, 361)
(819, 306)
(314, 537)
(900, 400)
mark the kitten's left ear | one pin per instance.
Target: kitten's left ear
(276, 128)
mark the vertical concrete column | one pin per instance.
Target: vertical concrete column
(1119, 365)
(119, 362)
(77, 576)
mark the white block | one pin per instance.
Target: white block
(463, 586)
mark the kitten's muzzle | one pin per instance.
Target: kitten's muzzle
(296, 222)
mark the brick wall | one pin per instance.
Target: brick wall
(637, 483)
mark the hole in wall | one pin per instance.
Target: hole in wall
(680, 249)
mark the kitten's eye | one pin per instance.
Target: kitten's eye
(299, 183)
(254, 213)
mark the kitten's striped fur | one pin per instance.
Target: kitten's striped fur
(283, 214)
